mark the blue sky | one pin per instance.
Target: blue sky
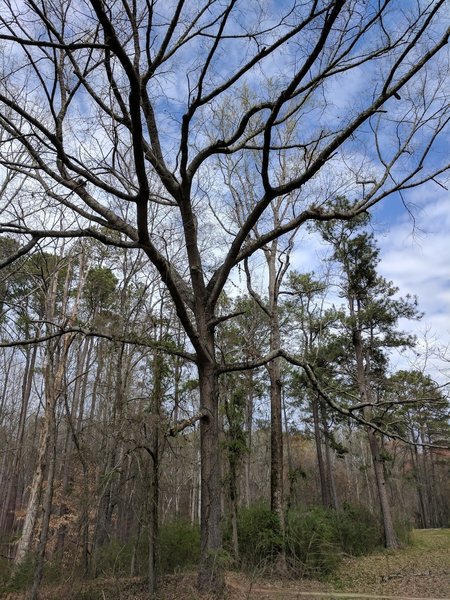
(415, 255)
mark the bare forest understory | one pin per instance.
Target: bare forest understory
(421, 569)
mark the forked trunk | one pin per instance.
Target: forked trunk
(26, 538)
(46, 512)
(390, 537)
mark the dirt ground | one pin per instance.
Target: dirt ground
(418, 571)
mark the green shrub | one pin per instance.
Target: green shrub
(311, 547)
(5, 571)
(315, 539)
(403, 529)
(113, 558)
(357, 530)
(179, 546)
(259, 538)
(20, 577)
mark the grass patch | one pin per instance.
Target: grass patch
(418, 569)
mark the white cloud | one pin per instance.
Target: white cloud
(416, 257)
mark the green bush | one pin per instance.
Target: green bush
(19, 578)
(315, 539)
(311, 547)
(179, 546)
(357, 530)
(259, 539)
(113, 558)
(5, 571)
(403, 529)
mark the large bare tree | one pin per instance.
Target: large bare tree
(112, 114)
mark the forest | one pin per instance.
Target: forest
(179, 390)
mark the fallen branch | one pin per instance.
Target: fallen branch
(403, 575)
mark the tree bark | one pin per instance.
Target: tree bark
(46, 511)
(9, 516)
(210, 577)
(332, 493)
(153, 521)
(390, 537)
(320, 461)
(25, 541)
(424, 519)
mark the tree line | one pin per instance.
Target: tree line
(100, 409)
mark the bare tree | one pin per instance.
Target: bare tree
(110, 119)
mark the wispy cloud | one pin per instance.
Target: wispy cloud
(415, 255)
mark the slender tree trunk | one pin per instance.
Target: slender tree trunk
(429, 468)
(112, 453)
(370, 494)
(326, 502)
(424, 519)
(234, 510)
(9, 516)
(290, 468)
(25, 541)
(71, 431)
(233, 415)
(390, 537)
(153, 522)
(176, 411)
(274, 369)
(276, 451)
(331, 484)
(249, 430)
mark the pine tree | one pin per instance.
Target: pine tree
(368, 330)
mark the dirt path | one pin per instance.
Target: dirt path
(252, 592)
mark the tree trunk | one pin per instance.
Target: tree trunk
(320, 462)
(276, 459)
(113, 452)
(9, 516)
(25, 541)
(210, 577)
(390, 537)
(46, 511)
(70, 432)
(334, 503)
(153, 522)
(274, 369)
(234, 510)
(248, 428)
(424, 519)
